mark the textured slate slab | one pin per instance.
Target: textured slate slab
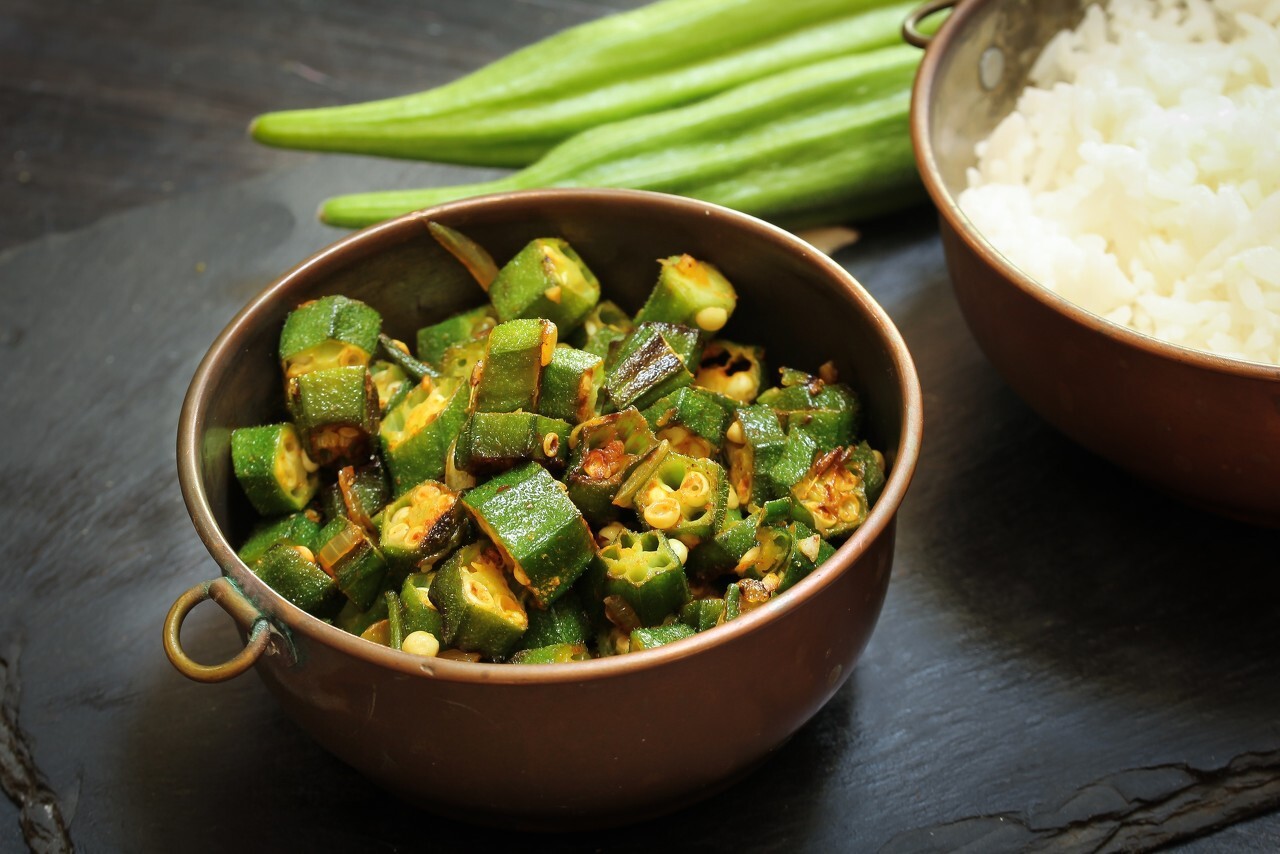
(1066, 660)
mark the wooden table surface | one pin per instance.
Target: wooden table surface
(1067, 660)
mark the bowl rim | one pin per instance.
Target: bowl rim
(961, 17)
(281, 613)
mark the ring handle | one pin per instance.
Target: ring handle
(224, 593)
(911, 27)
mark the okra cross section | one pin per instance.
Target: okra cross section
(479, 612)
(605, 450)
(541, 533)
(273, 468)
(692, 420)
(510, 375)
(330, 332)
(690, 292)
(732, 369)
(337, 411)
(681, 496)
(421, 525)
(417, 432)
(755, 443)
(836, 494)
(645, 571)
(350, 557)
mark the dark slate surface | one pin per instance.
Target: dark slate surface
(1066, 660)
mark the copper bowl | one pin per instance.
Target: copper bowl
(1203, 427)
(583, 744)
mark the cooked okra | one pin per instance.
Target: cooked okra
(496, 495)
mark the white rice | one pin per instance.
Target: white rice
(1139, 176)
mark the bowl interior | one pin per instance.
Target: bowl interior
(804, 308)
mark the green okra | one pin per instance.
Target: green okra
(417, 432)
(629, 64)
(273, 468)
(734, 370)
(686, 341)
(604, 325)
(356, 620)
(434, 341)
(832, 498)
(395, 619)
(692, 420)
(546, 541)
(702, 614)
(291, 570)
(495, 441)
(794, 147)
(301, 528)
(330, 332)
(564, 621)
(690, 292)
(337, 411)
(754, 444)
(643, 373)
(605, 450)
(479, 612)
(510, 375)
(681, 496)
(830, 412)
(351, 558)
(546, 279)
(719, 555)
(363, 491)
(742, 597)
(571, 385)
(656, 636)
(643, 570)
(390, 383)
(421, 526)
(417, 612)
(794, 461)
(397, 352)
(560, 653)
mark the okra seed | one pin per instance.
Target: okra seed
(748, 559)
(739, 386)
(550, 444)
(695, 487)
(681, 550)
(421, 643)
(711, 318)
(733, 501)
(611, 532)
(306, 553)
(663, 514)
(554, 293)
(734, 433)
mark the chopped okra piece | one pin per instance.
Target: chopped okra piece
(495, 441)
(422, 525)
(604, 325)
(605, 450)
(390, 383)
(460, 361)
(418, 612)
(646, 368)
(434, 341)
(510, 375)
(570, 385)
(356, 620)
(541, 533)
(719, 555)
(684, 498)
(331, 332)
(363, 491)
(794, 461)
(808, 552)
(685, 341)
(832, 497)
(337, 411)
(301, 528)
(560, 653)
(478, 610)
(830, 412)
(563, 621)
(273, 468)
(702, 614)
(734, 370)
(417, 432)
(397, 352)
(643, 570)
(742, 597)
(690, 292)
(754, 444)
(350, 558)
(395, 619)
(292, 571)
(693, 422)
(659, 635)
(546, 279)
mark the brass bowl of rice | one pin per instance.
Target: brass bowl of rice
(1113, 232)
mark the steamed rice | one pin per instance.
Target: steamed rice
(1139, 175)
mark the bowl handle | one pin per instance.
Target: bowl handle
(225, 594)
(911, 30)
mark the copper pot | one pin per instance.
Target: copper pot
(1203, 427)
(582, 744)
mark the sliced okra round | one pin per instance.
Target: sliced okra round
(331, 332)
(418, 612)
(350, 557)
(417, 432)
(644, 570)
(421, 525)
(693, 421)
(650, 638)
(560, 653)
(509, 377)
(605, 450)
(734, 370)
(832, 497)
(273, 468)
(337, 411)
(684, 498)
(291, 570)
(603, 326)
(479, 612)
(495, 441)
(753, 444)
(433, 342)
(302, 528)
(571, 385)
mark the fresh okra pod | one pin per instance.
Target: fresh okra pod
(273, 468)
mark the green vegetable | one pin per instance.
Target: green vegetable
(564, 621)
(337, 411)
(291, 570)
(546, 279)
(690, 292)
(539, 530)
(643, 570)
(604, 452)
(478, 610)
(416, 434)
(702, 614)
(828, 411)
(603, 327)
(435, 340)
(417, 612)
(836, 494)
(363, 492)
(693, 421)
(731, 369)
(421, 526)
(816, 144)
(683, 497)
(397, 352)
(510, 376)
(348, 555)
(495, 441)
(560, 653)
(272, 468)
(300, 528)
(659, 636)
(649, 364)
(631, 64)
(755, 443)
(330, 332)
(571, 385)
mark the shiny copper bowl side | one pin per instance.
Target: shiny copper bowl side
(584, 744)
(1202, 427)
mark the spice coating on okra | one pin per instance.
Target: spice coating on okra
(504, 497)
